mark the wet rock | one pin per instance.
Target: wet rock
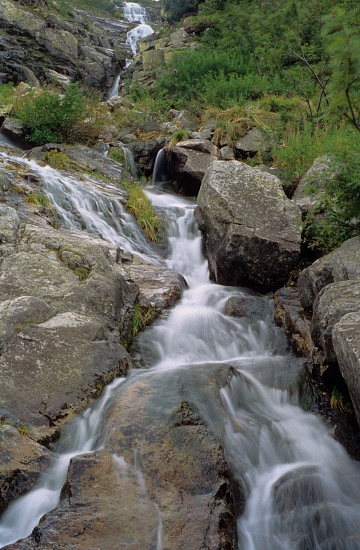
(346, 342)
(331, 304)
(252, 230)
(15, 131)
(340, 265)
(188, 162)
(80, 158)
(163, 467)
(250, 307)
(144, 154)
(290, 314)
(21, 462)
(160, 288)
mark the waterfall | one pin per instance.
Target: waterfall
(301, 487)
(133, 13)
(130, 163)
(114, 90)
(160, 168)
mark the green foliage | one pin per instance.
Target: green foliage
(57, 159)
(341, 200)
(140, 206)
(178, 135)
(38, 200)
(342, 37)
(24, 428)
(175, 9)
(143, 316)
(117, 154)
(48, 117)
(6, 94)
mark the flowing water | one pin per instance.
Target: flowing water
(302, 489)
(133, 13)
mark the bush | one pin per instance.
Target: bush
(49, 117)
(341, 200)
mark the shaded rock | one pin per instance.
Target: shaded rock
(226, 153)
(332, 303)
(251, 307)
(346, 342)
(312, 185)
(290, 314)
(253, 142)
(340, 265)
(188, 161)
(21, 462)
(144, 154)
(252, 230)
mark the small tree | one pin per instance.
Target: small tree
(342, 37)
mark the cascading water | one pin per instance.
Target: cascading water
(300, 485)
(133, 13)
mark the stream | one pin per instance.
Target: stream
(301, 488)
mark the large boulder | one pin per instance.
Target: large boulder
(188, 162)
(340, 265)
(346, 342)
(252, 230)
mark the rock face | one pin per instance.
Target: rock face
(162, 472)
(332, 303)
(290, 314)
(252, 231)
(346, 342)
(71, 47)
(340, 265)
(188, 162)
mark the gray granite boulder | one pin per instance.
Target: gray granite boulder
(340, 265)
(252, 230)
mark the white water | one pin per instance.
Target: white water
(133, 13)
(301, 487)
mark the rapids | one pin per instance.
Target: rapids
(301, 487)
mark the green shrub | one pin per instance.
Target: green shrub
(341, 200)
(48, 117)
(117, 154)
